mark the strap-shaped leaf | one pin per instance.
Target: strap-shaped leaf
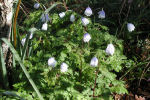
(9, 93)
(32, 30)
(50, 8)
(16, 55)
(4, 71)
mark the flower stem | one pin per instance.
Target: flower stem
(95, 84)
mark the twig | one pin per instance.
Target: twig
(121, 10)
(128, 11)
(64, 3)
(144, 71)
(24, 12)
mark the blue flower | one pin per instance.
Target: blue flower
(64, 67)
(72, 18)
(36, 6)
(52, 62)
(85, 21)
(110, 49)
(86, 37)
(130, 27)
(101, 14)
(94, 62)
(88, 11)
(45, 18)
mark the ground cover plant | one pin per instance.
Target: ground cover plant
(66, 53)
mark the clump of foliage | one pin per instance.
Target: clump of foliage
(64, 41)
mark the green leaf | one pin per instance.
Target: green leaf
(16, 55)
(4, 70)
(50, 8)
(9, 93)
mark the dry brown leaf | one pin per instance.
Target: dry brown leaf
(139, 98)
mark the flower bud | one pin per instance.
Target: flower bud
(62, 14)
(63, 67)
(130, 27)
(72, 18)
(101, 14)
(88, 11)
(85, 21)
(94, 62)
(23, 41)
(44, 26)
(110, 49)
(86, 37)
(52, 62)
(36, 6)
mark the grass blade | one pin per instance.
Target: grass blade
(25, 47)
(4, 71)
(50, 8)
(17, 58)
(9, 93)
(31, 31)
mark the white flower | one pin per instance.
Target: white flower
(86, 37)
(44, 26)
(62, 14)
(130, 27)
(72, 18)
(85, 21)
(52, 62)
(110, 49)
(63, 67)
(94, 62)
(88, 11)
(45, 18)
(36, 6)
(23, 41)
(101, 14)
(31, 36)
